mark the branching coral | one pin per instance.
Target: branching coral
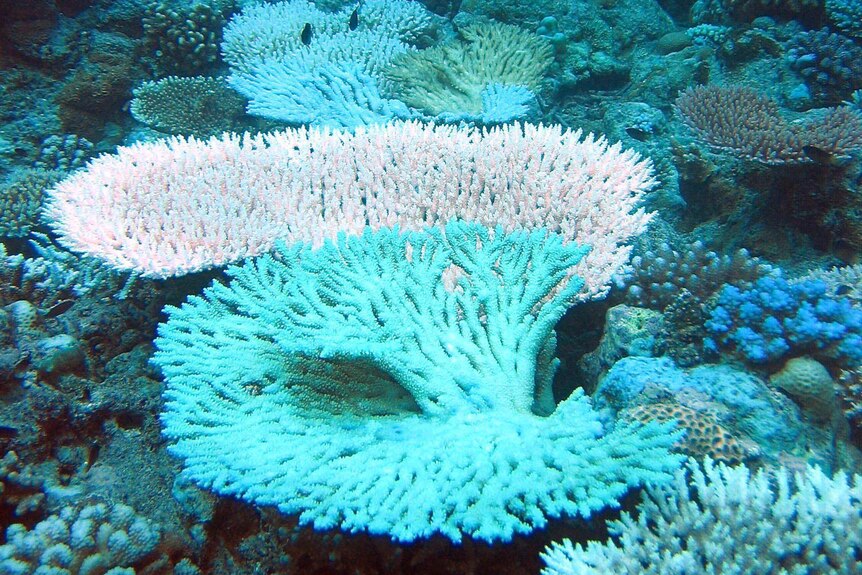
(169, 208)
(199, 105)
(453, 80)
(724, 520)
(397, 383)
(744, 121)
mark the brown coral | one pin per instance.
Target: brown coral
(809, 384)
(744, 121)
(704, 435)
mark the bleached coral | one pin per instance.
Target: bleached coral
(290, 57)
(400, 384)
(452, 81)
(726, 520)
(169, 208)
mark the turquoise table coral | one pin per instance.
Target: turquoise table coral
(398, 384)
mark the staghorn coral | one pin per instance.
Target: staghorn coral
(726, 520)
(743, 121)
(191, 205)
(452, 81)
(397, 383)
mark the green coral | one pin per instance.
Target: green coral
(451, 78)
(197, 105)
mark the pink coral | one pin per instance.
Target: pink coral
(178, 206)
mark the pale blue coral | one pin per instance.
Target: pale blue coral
(729, 521)
(329, 94)
(331, 78)
(397, 384)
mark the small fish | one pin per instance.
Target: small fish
(637, 133)
(59, 307)
(92, 455)
(843, 289)
(824, 157)
(353, 23)
(8, 432)
(306, 34)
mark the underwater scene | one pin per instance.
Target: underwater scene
(431, 287)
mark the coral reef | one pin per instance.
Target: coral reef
(830, 63)
(764, 425)
(703, 436)
(775, 319)
(299, 64)
(21, 200)
(660, 275)
(808, 382)
(750, 113)
(234, 197)
(96, 538)
(187, 38)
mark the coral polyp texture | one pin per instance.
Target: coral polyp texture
(177, 206)
(741, 120)
(726, 520)
(199, 106)
(397, 383)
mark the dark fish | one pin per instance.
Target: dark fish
(306, 34)
(824, 157)
(637, 133)
(92, 455)
(354, 19)
(59, 307)
(843, 289)
(8, 432)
